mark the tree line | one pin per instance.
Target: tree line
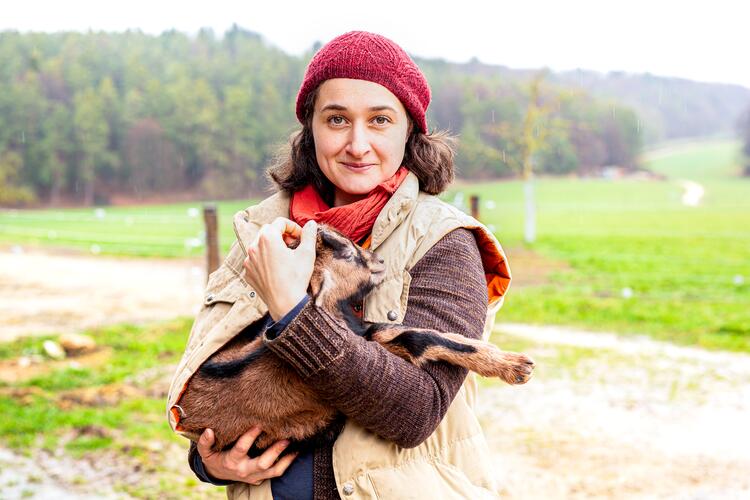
(87, 117)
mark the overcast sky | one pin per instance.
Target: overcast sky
(699, 40)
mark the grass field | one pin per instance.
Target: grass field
(686, 270)
(151, 231)
(107, 407)
(625, 255)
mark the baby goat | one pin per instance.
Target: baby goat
(244, 384)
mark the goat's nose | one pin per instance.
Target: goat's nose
(380, 259)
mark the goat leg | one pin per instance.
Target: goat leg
(420, 345)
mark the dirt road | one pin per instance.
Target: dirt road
(45, 293)
(604, 416)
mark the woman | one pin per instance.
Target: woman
(364, 163)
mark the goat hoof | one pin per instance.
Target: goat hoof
(520, 370)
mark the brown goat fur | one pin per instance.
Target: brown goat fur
(244, 384)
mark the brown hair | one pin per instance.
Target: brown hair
(429, 156)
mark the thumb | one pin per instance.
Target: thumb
(309, 236)
(205, 442)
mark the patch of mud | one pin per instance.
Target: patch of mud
(27, 367)
(22, 477)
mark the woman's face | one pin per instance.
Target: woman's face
(360, 130)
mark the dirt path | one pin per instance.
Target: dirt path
(621, 417)
(604, 416)
(43, 293)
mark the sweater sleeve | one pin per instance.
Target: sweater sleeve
(389, 396)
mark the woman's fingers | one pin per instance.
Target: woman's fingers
(269, 457)
(308, 238)
(287, 227)
(280, 275)
(243, 444)
(235, 465)
(280, 466)
(310, 231)
(280, 230)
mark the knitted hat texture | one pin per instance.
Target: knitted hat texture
(361, 55)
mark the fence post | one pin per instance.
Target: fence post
(474, 202)
(212, 238)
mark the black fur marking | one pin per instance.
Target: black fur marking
(373, 328)
(342, 249)
(254, 329)
(417, 342)
(230, 369)
(360, 257)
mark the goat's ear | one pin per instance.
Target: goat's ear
(327, 283)
(342, 248)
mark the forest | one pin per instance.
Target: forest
(99, 118)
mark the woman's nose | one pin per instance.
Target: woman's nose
(359, 143)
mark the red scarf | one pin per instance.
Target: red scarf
(355, 220)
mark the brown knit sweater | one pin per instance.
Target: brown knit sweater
(394, 399)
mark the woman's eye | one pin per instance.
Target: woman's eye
(381, 120)
(336, 120)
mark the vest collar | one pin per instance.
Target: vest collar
(396, 210)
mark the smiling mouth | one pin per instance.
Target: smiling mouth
(356, 165)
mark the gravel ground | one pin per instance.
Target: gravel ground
(631, 418)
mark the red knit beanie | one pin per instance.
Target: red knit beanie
(367, 56)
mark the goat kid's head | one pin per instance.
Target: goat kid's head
(343, 269)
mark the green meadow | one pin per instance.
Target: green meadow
(620, 255)
(629, 256)
(107, 407)
(147, 231)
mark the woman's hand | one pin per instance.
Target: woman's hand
(280, 275)
(235, 465)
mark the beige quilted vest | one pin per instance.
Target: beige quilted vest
(454, 462)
